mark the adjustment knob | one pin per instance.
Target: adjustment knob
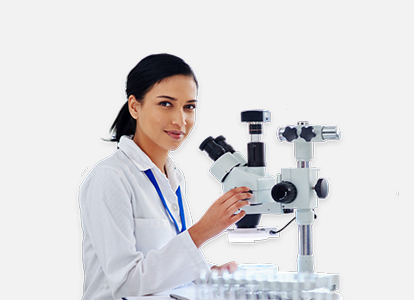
(322, 188)
(288, 133)
(307, 133)
(284, 192)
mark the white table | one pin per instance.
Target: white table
(189, 292)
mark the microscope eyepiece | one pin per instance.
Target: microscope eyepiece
(221, 141)
(212, 148)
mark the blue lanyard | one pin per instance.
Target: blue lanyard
(180, 201)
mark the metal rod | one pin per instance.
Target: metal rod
(303, 164)
(305, 240)
(255, 138)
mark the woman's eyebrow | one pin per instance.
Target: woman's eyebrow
(173, 99)
(168, 97)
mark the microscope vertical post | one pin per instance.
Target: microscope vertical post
(304, 219)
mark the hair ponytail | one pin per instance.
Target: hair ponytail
(124, 124)
(149, 71)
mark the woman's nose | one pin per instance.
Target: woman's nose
(179, 118)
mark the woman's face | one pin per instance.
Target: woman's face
(166, 115)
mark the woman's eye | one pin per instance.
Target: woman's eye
(165, 103)
(190, 106)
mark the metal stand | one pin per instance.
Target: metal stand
(305, 253)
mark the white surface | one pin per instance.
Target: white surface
(189, 292)
(349, 63)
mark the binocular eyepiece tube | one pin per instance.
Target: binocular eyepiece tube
(216, 147)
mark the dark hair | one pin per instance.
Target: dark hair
(149, 71)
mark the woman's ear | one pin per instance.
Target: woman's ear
(133, 106)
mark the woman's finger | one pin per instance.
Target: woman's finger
(241, 204)
(237, 217)
(233, 192)
(239, 199)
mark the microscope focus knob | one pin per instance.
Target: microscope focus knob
(322, 188)
(284, 192)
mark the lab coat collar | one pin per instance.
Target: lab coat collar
(143, 162)
(135, 154)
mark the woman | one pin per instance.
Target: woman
(138, 239)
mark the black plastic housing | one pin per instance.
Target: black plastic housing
(256, 154)
(252, 116)
(249, 221)
(212, 148)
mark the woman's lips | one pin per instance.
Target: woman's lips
(176, 135)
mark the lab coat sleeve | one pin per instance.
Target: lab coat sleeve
(108, 221)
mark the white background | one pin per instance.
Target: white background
(347, 63)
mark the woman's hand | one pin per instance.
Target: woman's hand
(220, 215)
(230, 267)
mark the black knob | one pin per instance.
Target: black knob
(284, 192)
(307, 133)
(322, 188)
(290, 133)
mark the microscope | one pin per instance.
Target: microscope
(294, 190)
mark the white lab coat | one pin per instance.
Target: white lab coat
(131, 247)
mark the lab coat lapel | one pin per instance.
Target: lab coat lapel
(143, 163)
